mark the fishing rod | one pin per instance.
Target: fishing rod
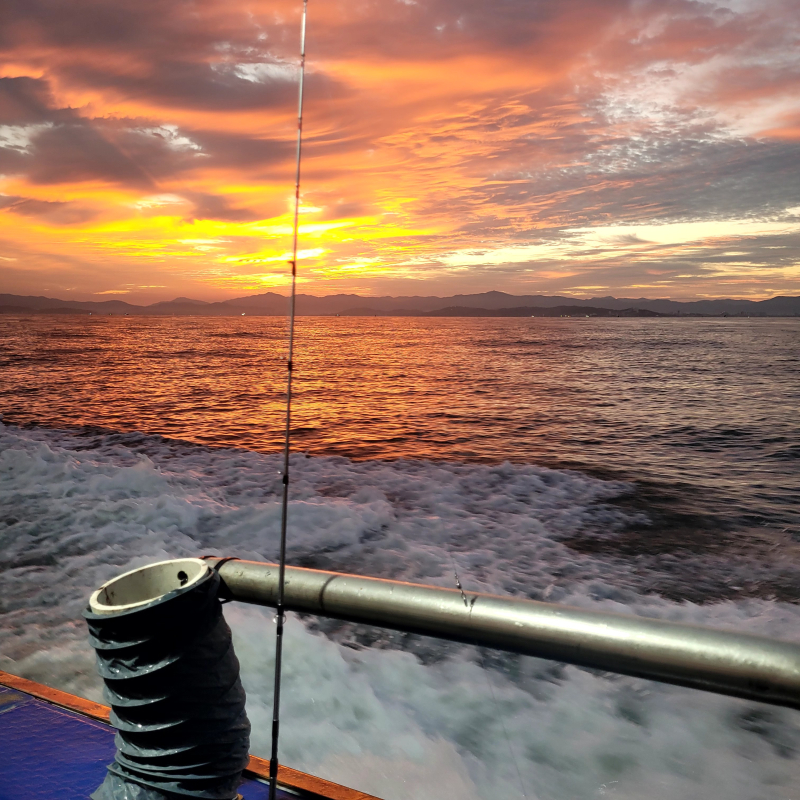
(280, 617)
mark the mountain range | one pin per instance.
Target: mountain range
(493, 304)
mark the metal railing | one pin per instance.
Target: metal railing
(724, 662)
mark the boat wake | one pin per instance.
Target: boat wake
(395, 715)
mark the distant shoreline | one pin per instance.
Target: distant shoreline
(487, 304)
(597, 313)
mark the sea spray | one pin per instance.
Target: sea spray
(404, 717)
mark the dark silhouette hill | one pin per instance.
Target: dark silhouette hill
(484, 304)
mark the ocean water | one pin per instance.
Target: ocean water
(642, 466)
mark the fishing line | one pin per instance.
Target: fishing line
(505, 733)
(460, 588)
(280, 616)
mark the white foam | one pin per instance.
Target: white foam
(382, 719)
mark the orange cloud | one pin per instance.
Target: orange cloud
(455, 144)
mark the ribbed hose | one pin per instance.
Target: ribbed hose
(172, 681)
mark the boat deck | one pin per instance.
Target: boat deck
(56, 745)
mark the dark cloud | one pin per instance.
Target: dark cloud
(99, 24)
(24, 101)
(627, 238)
(258, 156)
(756, 260)
(56, 145)
(173, 54)
(54, 212)
(187, 84)
(341, 209)
(49, 144)
(6, 201)
(700, 177)
(210, 206)
(168, 28)
(75, 152)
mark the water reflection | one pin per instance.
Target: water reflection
(694, 403)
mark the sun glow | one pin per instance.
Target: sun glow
(584, 152)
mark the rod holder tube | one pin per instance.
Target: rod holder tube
(740, 665)
(171, 677)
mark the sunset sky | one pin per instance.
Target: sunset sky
(577, 147)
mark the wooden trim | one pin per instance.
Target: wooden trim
(56, 697)
(307, 783)
(258, 767)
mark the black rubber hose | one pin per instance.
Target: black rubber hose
(172, 681)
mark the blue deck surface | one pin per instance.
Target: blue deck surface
(50, 753)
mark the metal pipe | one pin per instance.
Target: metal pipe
(752, 667)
